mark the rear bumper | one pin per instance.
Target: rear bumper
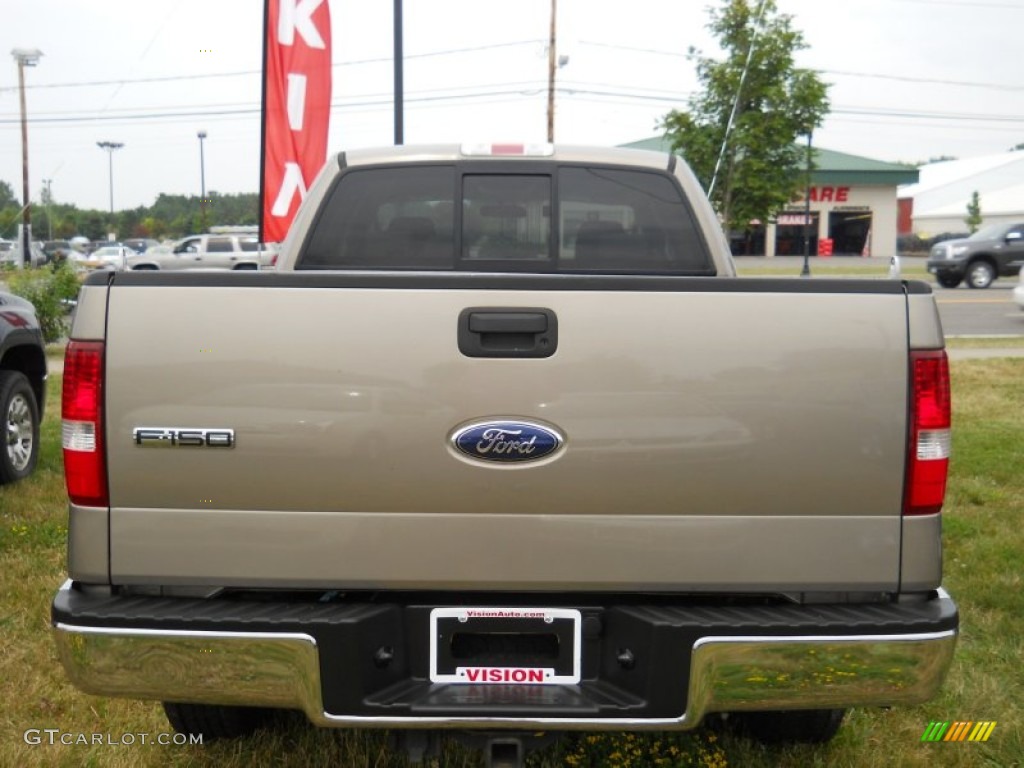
(364, 664)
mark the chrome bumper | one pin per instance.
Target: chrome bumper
(728, 674)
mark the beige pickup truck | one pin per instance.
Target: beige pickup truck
(504, 445)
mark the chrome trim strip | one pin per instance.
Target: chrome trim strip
(727, 674)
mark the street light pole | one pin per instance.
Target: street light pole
(399, 64)
(552, 65)
(26, 57)
(110, 146)
(806, 271)
(49, 197)
(202, 180)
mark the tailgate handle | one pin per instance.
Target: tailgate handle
(508, 322)
(507, 332)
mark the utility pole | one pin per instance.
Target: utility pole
(110, 146)
(202, 180)
(26, 57)
(806, 271)
(47, 201)
(399, 65)
(552, 66)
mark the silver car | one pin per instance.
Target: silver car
(109, 257)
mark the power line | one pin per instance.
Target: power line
(507, 91)
(636, 49)
(961, 116)
(566, 87)
(385, 60)
(923, 122)
(251, 72)
(926, 80)
(843, 73)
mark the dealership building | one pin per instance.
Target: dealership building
(853, 209)
(937, 204)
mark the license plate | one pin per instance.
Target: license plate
(505, 646)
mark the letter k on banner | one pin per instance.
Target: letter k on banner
(296, 108)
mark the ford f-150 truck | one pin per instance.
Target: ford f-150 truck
(505, 445)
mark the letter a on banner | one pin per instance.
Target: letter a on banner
(296, 108)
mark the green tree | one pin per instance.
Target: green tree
(6, 195)
(170, 216)
(973, 219)
(94, 224)
(774, 103)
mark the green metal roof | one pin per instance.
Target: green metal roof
(830, 167)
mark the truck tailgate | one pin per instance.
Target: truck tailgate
(718, 434)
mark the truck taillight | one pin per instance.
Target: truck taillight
(928, 454)
(85, 466)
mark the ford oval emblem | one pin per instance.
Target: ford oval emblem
(506, 442)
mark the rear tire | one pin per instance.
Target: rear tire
(19, 422)
(215, 721)
(980, 274)
(804, 726)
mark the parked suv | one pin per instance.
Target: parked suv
(22, 387)
(208, 251)
(991, 252)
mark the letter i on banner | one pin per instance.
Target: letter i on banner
(296, 108)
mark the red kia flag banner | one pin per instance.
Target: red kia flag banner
(296, 108)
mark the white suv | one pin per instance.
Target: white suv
(209, 252)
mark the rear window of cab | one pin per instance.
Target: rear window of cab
(575, 219)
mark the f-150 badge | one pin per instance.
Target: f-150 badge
(506, 442)
(184, 437)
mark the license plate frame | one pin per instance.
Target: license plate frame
(505, 646)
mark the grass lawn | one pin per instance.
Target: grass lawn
(910, 269)
(983, 564)
(986, 342)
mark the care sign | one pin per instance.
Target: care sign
(828, 195)
(505, 646)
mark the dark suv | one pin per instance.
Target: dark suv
(995, 251)
(22, 387)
